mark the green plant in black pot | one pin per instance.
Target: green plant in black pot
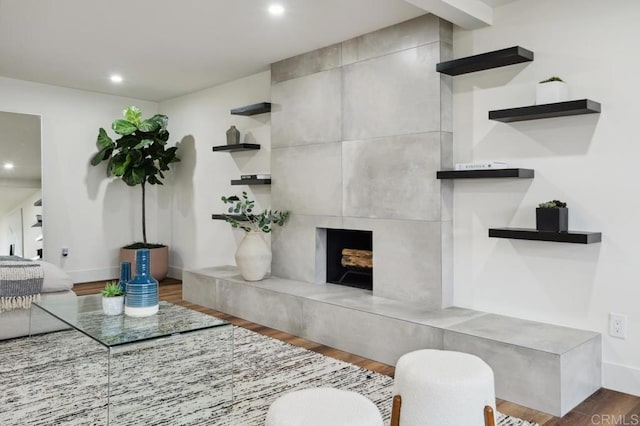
(139, 156)
(552, 216)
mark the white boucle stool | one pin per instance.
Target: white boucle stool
(443, 388)
(323, 407)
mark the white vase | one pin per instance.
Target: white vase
(112, 305)
(552, 92)
(253, 256)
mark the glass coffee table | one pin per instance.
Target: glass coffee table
(174, 367)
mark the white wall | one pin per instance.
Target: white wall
(203, 176)
(588, 161)
(83, 210)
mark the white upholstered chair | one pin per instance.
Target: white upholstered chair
(443, 388)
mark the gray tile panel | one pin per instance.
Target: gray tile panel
(412, 33)
(309, 179)
(392, 177)
(396, 94)
(308, 63)
(307, 110)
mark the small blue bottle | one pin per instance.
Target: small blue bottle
(142, 290)
(125, 275)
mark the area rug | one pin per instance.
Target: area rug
(32, 370)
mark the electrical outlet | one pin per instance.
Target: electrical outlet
(65, 252)
(618, 325)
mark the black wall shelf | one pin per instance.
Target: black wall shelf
(480, 174)
(577, 237)
(38, 203)
(223, 216)
(237, 147)
(37, 225)
(259, 108)
(251, 182)
(484, 61)
(536, 112)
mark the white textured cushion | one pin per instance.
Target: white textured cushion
(323, 407)
(443, 388)
(55, 279)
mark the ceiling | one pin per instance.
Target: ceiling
(167, 48)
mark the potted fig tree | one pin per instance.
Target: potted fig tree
(139, 156)
(253, 255)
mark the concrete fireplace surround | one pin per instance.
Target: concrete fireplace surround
(359, 130)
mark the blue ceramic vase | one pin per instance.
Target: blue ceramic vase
(141, 298)
(125, 275)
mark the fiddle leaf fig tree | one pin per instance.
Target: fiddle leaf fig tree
(139, 156)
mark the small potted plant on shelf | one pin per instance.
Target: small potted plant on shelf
(552, 90)
(112, 299)
(253, 255)
(552, 216)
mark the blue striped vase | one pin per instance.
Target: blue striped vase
(141, 298)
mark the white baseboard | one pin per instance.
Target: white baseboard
(90, 275)
(621, 378)
(175, 272)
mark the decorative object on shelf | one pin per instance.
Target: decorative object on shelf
(552, 90)
(125, 275)
(489, 165)
(253, 255)
(112, 299)
(238, 147)
(142, 290)
(233, 136)
(552, 216)
(139, 157)
(485, 61)
(537, 112)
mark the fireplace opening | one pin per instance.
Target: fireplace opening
(350, 258)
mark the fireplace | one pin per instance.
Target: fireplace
(350, 258)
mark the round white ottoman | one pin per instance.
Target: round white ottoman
(323, 407)
(443, 388)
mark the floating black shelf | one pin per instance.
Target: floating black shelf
(237, 147)
(536, 112)
(484, 61)
(38, 203)
(37, 225)
(480, 174)
(259, 108)
(251, 182)
(223, 216)
(577, 237)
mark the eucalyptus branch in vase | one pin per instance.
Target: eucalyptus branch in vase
(247, 220)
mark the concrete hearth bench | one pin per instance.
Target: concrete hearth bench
(545, 367)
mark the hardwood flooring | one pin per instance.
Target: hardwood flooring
(603, 408)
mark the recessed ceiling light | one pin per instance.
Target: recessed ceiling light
(115, 78)
(276, 9)
(9, 166)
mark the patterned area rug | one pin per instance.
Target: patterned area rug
(33, 370)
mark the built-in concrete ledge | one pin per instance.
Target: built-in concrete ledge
(546, 367)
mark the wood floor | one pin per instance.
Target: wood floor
(603, 408)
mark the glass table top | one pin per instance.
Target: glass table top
(84, 313)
